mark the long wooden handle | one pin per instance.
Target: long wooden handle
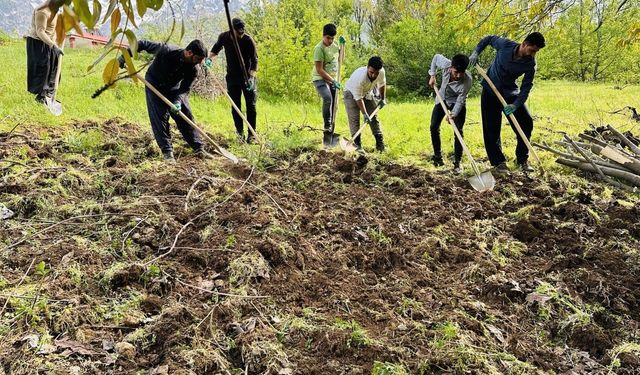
(457, 133)
(371, 116)
(334, 108)
(238, 111)
(57, 81)
(516, 124)
(220, 149)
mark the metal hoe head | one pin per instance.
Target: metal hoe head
(483, 182)
(54, 106)
(347, 146)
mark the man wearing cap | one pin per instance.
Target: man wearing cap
(236, 85)
(512, 60)
(172, 72)
(454, 89)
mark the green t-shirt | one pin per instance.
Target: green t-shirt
(328, 56)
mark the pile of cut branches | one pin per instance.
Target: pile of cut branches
(611, 155)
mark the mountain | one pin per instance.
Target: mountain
(15, 15)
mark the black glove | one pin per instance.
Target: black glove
(57, 51)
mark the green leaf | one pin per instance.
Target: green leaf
(115, 21)
(133, 42)
(131, 68)
(110, 9)
(182, 30)
(142, 7)
(126, 6)
(154, 4)
(110, 71)
(97, 10)
(81, 7)
(104, 54)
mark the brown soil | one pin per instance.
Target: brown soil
(319, 264)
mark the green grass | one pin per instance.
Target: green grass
(558, 106)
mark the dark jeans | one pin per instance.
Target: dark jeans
(492, 124)
(42, 66)
(328, 94)
(159, 117)
(236, 90)
(436, 119)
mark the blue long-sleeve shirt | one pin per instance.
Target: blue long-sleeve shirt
(506, 68)
(169, 72)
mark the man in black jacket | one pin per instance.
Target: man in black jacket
(236, 84)
(172, 72)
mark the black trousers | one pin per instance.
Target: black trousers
(492, 124)
(236, 90)
(42, 67)
(436, 119)
(159, 116)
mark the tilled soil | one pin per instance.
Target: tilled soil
(319, 263)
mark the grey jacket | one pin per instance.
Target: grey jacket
(453, 92)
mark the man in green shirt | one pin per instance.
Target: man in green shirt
(325, 58)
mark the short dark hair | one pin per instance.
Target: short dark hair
(238, 24)
(329, 29)
(535, 39)
(460, 62)
(197, 47)
(375, 62)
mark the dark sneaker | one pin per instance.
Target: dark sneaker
(525, 167)
(202, 154)
(168, 157)
(240, 138)
(457, 169)
(501, 168)
(251, 139)
(437, 161)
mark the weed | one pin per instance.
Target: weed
(358, 338)
(376, 235)
(503, 250)
(385, 368)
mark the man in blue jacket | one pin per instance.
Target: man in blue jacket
(512, 61)
(172, 72)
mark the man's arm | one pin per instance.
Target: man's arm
(41, 28)
(438, 62)
(150, 47)
(215, 50)
(323, 73)
(525, 88)
(187, 83)
(253, 60)
(490, 40)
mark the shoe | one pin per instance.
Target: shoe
(251, 139)
(437, 161)
(41, 99)
(379, 143)
(168, 157)
(457, 168)
(202, 154)
(525, 167)
(501, 168)
(240, 138)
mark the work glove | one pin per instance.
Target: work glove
(251, 84)
(175, 108)
(473, 59)
(342, 40)
(509, 109)
(367, 118)
(336, 85)
(208, 63)
(57, 51)
(382, 103)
